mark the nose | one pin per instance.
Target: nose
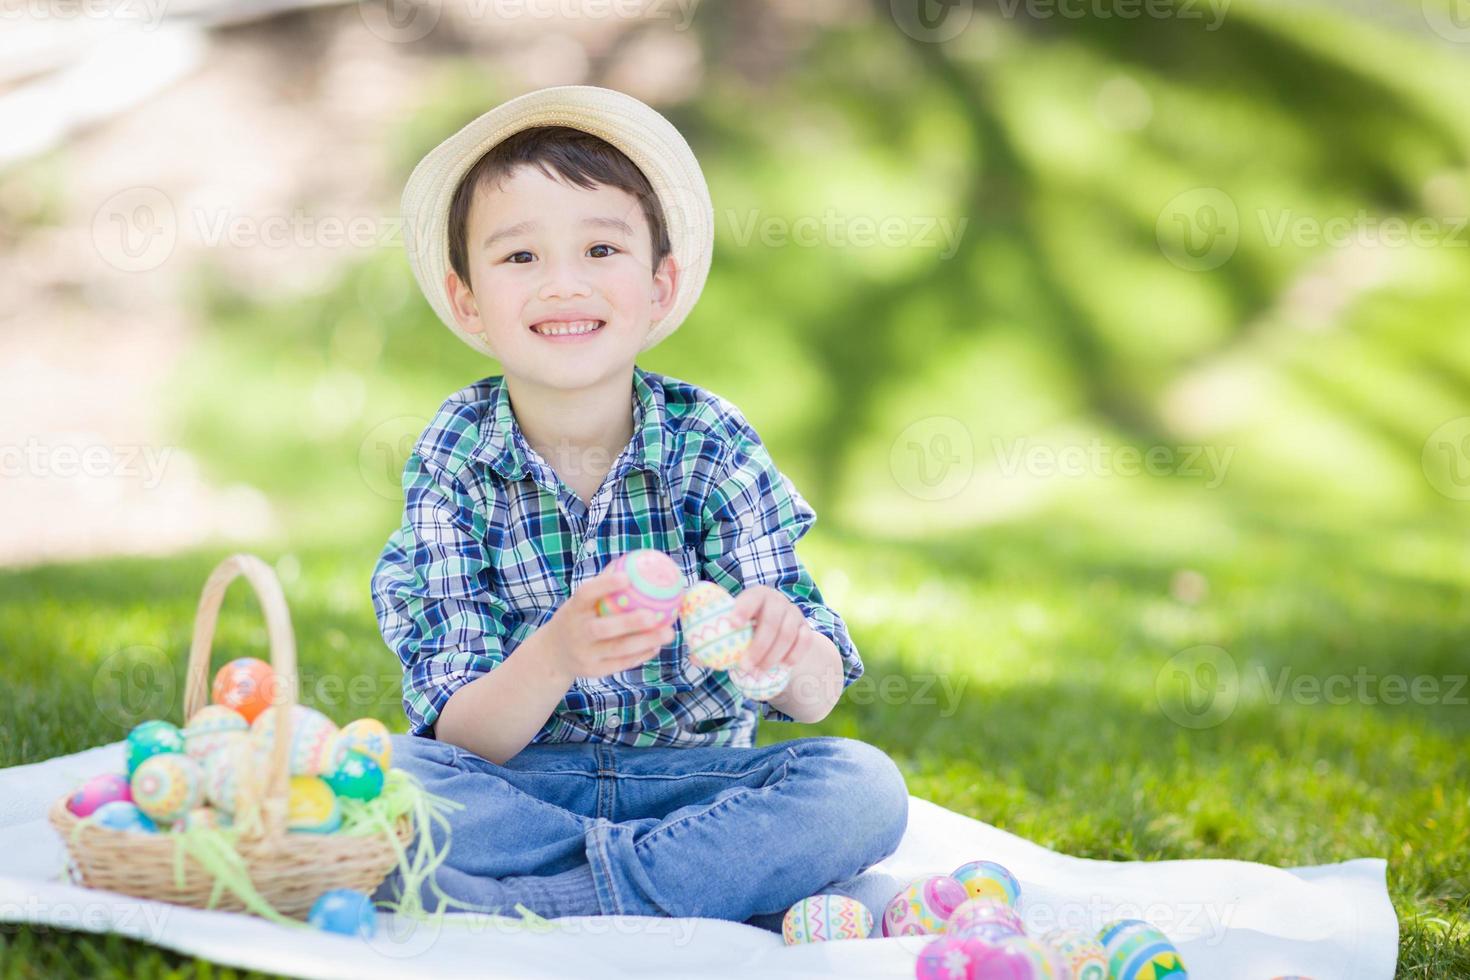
(564, 277)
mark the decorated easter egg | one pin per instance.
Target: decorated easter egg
(990, 932)
(714, 632)
(1082, 953)
(312, 807)
(654, 583)
(207, 729)
(106, 787)
(313, 741)
(232, 783)
(988, 879)
(123, 815)
(168, 786)
(247, 685)
(358, 777)
(151, 738)
(370, 737)
(973, 913)
(949, 958)
(344, 911)
(761, 685)
(822, 918)
(922, 907)
(1137, 950)
(1019, 958)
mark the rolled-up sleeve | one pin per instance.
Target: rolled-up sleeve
(752, 518)
(431, 594)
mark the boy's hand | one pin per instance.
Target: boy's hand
(782, 635)
(584, 644)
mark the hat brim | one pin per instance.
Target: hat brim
(648, 139)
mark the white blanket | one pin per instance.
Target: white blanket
(1231, 920)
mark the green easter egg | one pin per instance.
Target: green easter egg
(359, 777)
(151, 738)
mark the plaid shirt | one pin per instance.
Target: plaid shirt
(492, 542)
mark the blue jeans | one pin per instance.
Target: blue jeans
(593, 828)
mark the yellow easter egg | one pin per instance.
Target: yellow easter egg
(715, 634)
(167, 786)
(370, 737)
(312, 806)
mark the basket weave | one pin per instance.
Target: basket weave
(289, 869)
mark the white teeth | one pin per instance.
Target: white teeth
(575, 327)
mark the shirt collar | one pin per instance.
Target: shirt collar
(504, 447)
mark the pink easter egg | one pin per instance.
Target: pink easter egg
(108, 787)
(1018, 958)
(654, 583)
(922, 907)
(949, 958)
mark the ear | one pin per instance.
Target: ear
(462, 304)
(665, 289)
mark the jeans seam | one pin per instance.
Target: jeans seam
(600, 844)
(780, 777)
(730, 774)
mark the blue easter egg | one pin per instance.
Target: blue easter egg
(1137, 950)
(151, 738)
(123, 815)
(359, 777)
(344, 911)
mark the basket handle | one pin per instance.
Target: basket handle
(283, 661)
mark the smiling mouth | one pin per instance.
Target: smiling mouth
(574, 328)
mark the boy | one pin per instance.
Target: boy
(601, 771)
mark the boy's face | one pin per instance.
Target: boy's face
(539, 248)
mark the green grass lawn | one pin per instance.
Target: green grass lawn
(1014, 680)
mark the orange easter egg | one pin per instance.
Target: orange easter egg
(246, 685)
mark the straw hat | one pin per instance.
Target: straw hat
(648, 139)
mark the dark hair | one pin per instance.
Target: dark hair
(578, 157)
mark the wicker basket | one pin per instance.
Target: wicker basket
(290, 870)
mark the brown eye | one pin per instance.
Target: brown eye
(608, 247)
(511, 258)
